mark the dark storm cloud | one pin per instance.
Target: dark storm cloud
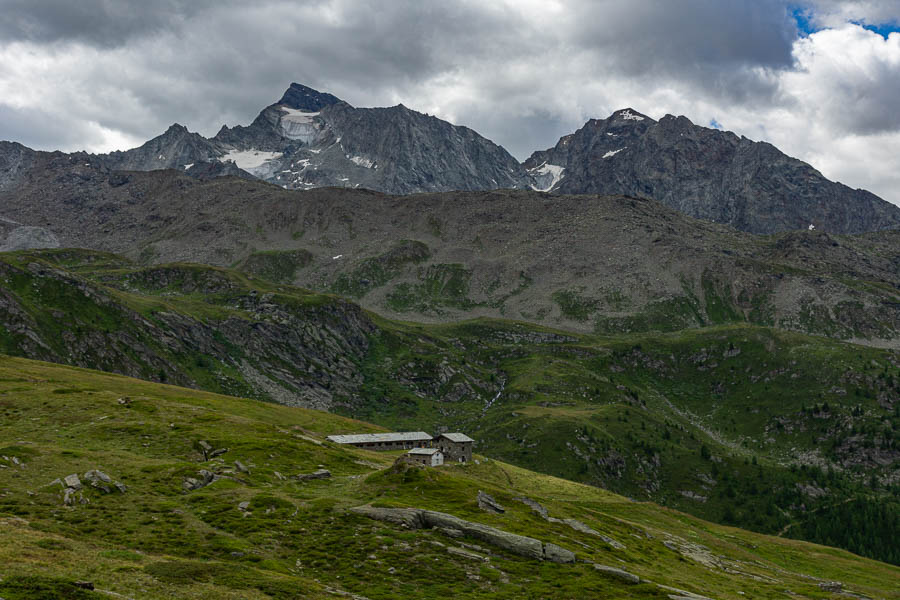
(103, 23)
(35, 128)
(706, 38)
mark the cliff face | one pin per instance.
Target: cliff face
(295, 350)
(705, 173)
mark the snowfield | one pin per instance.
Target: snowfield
(250, 160)
(546, 174)
(362, 162)
(299, 125)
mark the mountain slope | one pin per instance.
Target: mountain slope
(743, 425)
(705, 173)
(586, 263)
(177, 148)
(257, 532)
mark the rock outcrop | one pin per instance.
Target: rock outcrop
(203, 479)
(487, 503)
(416, 518)
(319, 474)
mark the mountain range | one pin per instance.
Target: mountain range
(309, 139)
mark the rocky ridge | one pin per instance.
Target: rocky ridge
(707, 174)
(312, 139)
(309, 139)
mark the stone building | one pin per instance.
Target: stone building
(429, 457)
(456, 447)
(402, 440)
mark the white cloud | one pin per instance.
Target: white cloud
(836, 13)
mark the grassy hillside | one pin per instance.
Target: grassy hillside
(773, 431)
(298, 539)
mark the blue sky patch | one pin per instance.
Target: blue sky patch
(882, 29)
(803, 17)
(715, 124)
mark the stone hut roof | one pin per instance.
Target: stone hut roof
(456, 437)
(369, 438)
(424, 451)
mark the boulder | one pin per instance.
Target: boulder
(451, 532)
(467, 554)
(619, 574)
(98, 479)
(241, 467)
(72, 481)
(536, 507)
(579, 526)
(95, 475)
(417, 518)
(205, 448)
(679, 594)
(487, 503)
(517, 544)
(556, 554)
(204, 479)
(320, 474)
(408, 517)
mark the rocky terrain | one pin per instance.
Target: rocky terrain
(585, 263)
(707, 174)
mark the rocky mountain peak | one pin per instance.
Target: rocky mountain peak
(629, 115)
(706, 173)
(301, 97)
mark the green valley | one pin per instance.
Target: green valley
(744, 425)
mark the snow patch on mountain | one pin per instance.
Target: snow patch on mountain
(546, 176)
(362, 161)
(252, 161)
(630, 116)
(612, 153)
(299, 125)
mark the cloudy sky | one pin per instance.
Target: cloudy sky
(818, 78)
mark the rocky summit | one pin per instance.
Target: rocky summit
(705, 173)
(312, 139)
